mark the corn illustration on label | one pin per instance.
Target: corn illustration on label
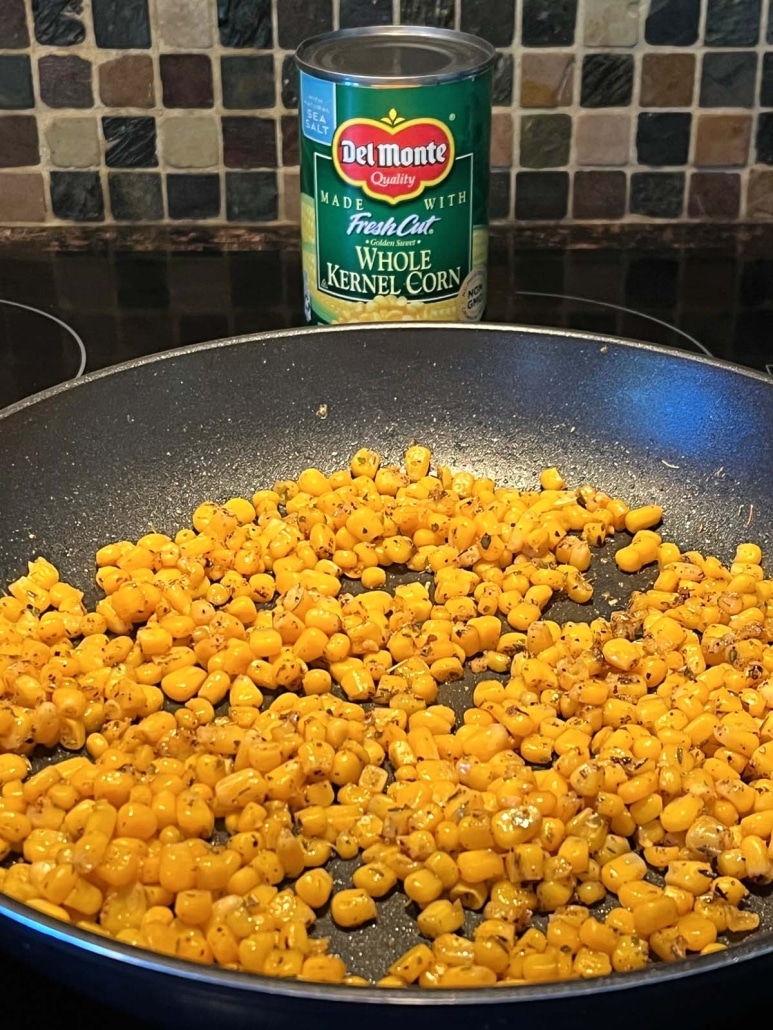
(394, 192)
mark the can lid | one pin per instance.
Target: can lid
(395, 54)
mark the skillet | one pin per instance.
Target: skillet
(142, 444)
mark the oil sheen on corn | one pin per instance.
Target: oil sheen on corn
(395, 125)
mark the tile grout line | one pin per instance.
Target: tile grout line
(279, 58)
(636, 105)
(574, 110)
(158, 97)
(761, 49)
(278, 112)
(579, 33)
(44, 165)
(43, 116)
(695, 111)
(516, 108)
(90, 44)
(695, 108)
(217, 99)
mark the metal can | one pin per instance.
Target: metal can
(395, 124)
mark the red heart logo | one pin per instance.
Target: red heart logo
(393, 162)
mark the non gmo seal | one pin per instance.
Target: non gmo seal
(472, 296)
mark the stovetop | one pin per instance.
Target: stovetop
(118, 306)
(124, 305)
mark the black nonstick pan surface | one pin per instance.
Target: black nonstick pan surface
(142, 444)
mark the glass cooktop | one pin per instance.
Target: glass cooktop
(67, 312)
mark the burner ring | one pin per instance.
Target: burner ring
(68, 328)
(621, 307)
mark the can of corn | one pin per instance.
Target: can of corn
(395, 124)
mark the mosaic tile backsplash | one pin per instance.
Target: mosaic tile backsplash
(142, 111)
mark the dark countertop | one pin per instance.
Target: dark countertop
(125, 304)
(129, 303)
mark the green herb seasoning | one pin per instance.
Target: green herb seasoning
(395, 125)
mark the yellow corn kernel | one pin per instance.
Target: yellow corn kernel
(423, 886)
(598, 936)
(375, 878)
(184, 683)
(468, 976)
(679, 814)
(13, 767)
(410, 966)
(589, 963)
(631, 953)
(698, 931)
(654, 915)
(440, 917)
(352, 907)
(638, 787)
(621, 919)
(621, 653)
(193, 907)
(323, 969)
(621, 870)
(668, 944)
(417, 459)
(694, 877)
(629, 559)
(551, 479)
(635, 892)
(49, 909)
(366, 463)
(373, 578)
(479, 865)
(643, 518)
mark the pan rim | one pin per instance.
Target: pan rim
(271, 335)
(107, 949)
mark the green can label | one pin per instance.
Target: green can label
(394, 189)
